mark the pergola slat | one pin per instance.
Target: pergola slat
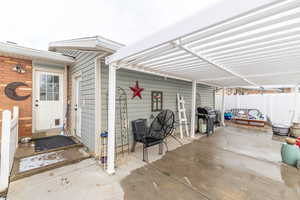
(233, 44)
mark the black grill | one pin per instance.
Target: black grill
(203, 112)
(210, 116)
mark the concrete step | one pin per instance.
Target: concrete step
(25, 150)
(41, 162)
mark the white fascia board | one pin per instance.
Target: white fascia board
(219, 13)
(108, 44)
(89, 43)
(166, 75)
(82, 43)
(33, 54)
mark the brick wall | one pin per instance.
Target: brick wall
(7, 75)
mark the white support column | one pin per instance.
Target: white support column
(296, 107)
(193, 108)
(111, 119)
(223, 107)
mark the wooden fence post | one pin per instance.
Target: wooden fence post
(16, 116)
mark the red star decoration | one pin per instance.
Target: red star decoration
(137, 90)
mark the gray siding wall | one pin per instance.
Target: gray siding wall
(85, 65)
(141, 108)
(137, 108)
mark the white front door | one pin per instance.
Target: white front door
(77, 106)
(48, 101)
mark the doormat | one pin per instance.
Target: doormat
(41, 160)
(53, 142)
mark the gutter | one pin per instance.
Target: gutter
(33, 54)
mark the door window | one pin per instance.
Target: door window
(49, 87)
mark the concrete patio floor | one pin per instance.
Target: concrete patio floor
(84, 180)
(232, 164)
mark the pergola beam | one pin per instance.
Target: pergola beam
(258, 59)
(216, 65)
(219, 31)
(221, 12)
(178, 65)
(244, 34)
(175, 61)
(166, 75)
(164, 58)
(260, 47)
(152, 56)
(257, 75)
(252, 44)
(261, 51)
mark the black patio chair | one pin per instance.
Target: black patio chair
(161, 127)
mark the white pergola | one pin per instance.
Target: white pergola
(233, 44)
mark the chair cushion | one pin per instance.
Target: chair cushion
(150, 141)
(139, 129)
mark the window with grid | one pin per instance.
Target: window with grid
(156, 101)
(49, 87)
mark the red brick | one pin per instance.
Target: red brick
(7, 75)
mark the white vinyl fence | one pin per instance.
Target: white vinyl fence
(9, 144)
(278, 107)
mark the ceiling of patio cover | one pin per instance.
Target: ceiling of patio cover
(232, 44)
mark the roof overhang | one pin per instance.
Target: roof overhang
(233, 44)
(96, 43)
(12, 50)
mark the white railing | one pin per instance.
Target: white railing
(9, 144)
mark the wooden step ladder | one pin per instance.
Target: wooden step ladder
(182, 116)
